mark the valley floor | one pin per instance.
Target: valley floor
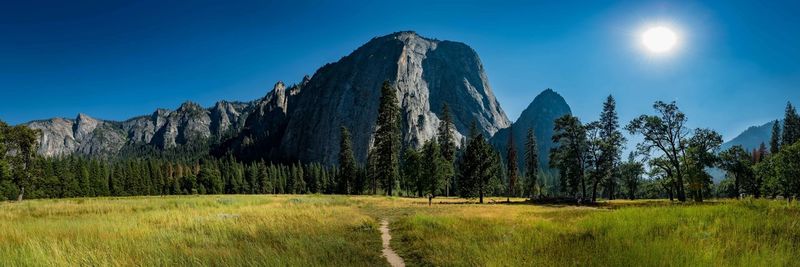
(313, 230)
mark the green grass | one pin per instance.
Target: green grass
(747, 233)
(201, 230)
(318, 230)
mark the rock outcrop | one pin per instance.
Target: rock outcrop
(426, 74)
(163, 129)
(84, 134)
(539, 115)
(301, 122)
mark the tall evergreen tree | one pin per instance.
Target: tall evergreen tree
(791, 126)
(611, 147)
(532, 164)
(347, 163)
(387, 138)
(511, 165)
(432, 164)
(412, 170)
(775, 138)
(447, 145)
(480, 168)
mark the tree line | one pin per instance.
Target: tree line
(585, 161)
(766, 172)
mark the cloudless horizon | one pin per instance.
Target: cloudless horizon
(735, 65)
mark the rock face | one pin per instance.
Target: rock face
(85, 135)
(304, 124)
(539, 115)
(163, 129)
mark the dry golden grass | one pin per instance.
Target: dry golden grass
(194, 230)
(318, 230)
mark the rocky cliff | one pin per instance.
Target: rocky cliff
(426, 74)
(163, 129)
(302, 121)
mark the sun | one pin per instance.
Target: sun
(659, 39)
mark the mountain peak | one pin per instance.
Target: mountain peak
(539, 116)
(189, 105)
(83, 117)
(547, 99)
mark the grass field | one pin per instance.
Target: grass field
(343, 231)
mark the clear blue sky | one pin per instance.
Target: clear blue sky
(737, 63)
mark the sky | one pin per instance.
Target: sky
(736, 64)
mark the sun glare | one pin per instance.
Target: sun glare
(659, 39)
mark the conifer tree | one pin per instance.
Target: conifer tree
(447, 146)
(347, 163)
(480, 167)
(532, 164)
(511, 165)
(412, 170)
(611, 146)
(775, 138)
(432, 163)
(387, 138)
(791, 126)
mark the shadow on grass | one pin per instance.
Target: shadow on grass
(571, 202)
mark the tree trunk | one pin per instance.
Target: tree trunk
(698, 195)
(594, 191)
(611, 186)
(21, 194)
(670, 191)
(481, 195)
(679, 185)
(583, 186)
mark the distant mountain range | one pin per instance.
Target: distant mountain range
(752, 137)
(301, 122)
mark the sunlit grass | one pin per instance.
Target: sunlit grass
(634, 233)
(202, 230)
(318, 230)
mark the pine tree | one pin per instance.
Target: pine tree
(532, 164)
(412, 170)
(775, 139)
(511, 165)
(791, 126)
(387, 138)
(611, 147)
(447, 146)
(347, 163)
(432, 163)
(479, 168)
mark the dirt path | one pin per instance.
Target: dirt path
(391, 256)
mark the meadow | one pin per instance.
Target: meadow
(314, 230)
